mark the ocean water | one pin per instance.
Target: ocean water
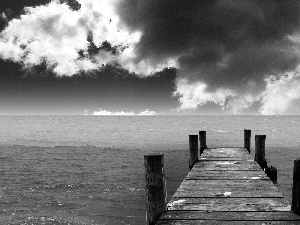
(89, 169)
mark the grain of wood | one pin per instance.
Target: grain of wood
(225, 175)
(228, 204)
(226, 165)
(230, 216)
(215, 222)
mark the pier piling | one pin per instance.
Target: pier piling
(271, 171)
(247, 139)
(296, 187)
(156, 191)
(193, 147)
(202, 140)
(260, 150)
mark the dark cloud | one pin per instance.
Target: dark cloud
(73, 4)
(223, 43)
(93, 50)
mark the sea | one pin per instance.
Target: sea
(90, 169)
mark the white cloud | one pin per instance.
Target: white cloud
(50, 33)
(193, 95)
(55, 33)
(101, 112)
(241, 102)
(277, 99)
(147, 113)
(108, 113)
(280, 94)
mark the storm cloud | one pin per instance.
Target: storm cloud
(226, 46)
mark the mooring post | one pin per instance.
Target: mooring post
(193, 147)
(202, 140)
(247, 139)
(296, 187)
(156, 191)
(271, 171)
(260, 150)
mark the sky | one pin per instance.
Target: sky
(149, 57)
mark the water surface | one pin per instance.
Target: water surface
(89, 169)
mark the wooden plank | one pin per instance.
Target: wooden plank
(226, 149)
(229, 216)
(234, 188)
(225, 159)
(216, 222)
(229, 204)
(225, 175)
(234, 193)
(229, 154)
(212, 184)
(226, 165)
(223, 152)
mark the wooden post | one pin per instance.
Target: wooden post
(296, 187)
(202, 140)
(260, 150)
(271, 171)
(247, 139)
(156, 191)
(193, 147)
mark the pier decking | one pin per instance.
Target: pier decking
(226, 186)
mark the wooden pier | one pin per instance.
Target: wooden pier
(225, 186)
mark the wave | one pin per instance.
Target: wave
(62, 186)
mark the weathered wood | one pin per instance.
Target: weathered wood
(202, 140)
(215, 184)
(223, 216)
(224, 159)
(260, 150)
(233, 188)
(193, 148)
(226, 175)
(156, 195)
(228, 222)
(226, 153)
(227, 149)
(296, 187)
(247, 140)
(271, 171)
(234, 193)
(228, 204)
(226, 165)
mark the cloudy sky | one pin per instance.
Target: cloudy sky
(144, 57)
